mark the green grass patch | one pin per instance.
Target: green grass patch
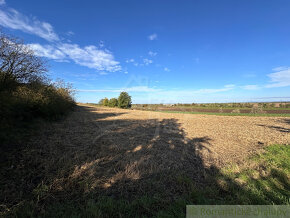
(263, 178)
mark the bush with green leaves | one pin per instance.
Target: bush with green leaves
(25, 92)
(124, 100)
(113, 102)
(105, 102)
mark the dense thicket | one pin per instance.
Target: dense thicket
(25, 91)
(123, 101)
(113, 102)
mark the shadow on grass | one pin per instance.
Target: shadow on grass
(98, 164)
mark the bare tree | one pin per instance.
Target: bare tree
(18, 63)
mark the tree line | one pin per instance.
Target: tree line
(123, 101)
(26, 93)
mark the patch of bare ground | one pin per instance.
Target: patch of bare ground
(126, 153)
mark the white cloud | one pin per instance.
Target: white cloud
(166, 69)
(103, 73)
(209, 91)
(152, 36)
(47, 51)
(249, 75)
(250, 87)
(147, 94)
(130, 60)
(91, 57)
(188, 95)
(2, 2)
(70, 33)
(129, 89)
(164, 92)
(196, 60)
(281, 78)
(152, 54)
(147, 61)
(126, 72)
(280, 68)
(88, 56)
(140, 89)
(12, 19)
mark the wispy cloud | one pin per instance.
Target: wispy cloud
(129, 89)
(88, 56)
(2, 2)
(166, 69)
(187, 95)
(280, 68)
(163, 92)
(209, 91)
(249, 75)
(47, 51)
(152, 36)
(103, 73)
(70, 33)
(152, 54)
(130, 60)
(280, 78)
(147, 61)
(91, 57)
(251, 87)
(141, 89)
(273, 97)
(11, 18)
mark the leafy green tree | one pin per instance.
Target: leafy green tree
(124, 100)
(106, 102)
(113, 102)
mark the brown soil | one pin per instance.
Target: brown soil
(130, 152)
(215, 110)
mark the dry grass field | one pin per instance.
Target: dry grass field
(118, 153)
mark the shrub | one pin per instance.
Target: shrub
(25, 92)
(106, 102)
(257, 110)
(113, 102)
(28, 101)
(236, 111)
(124, 100)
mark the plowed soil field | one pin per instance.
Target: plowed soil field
(118, 152)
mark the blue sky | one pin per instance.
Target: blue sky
(161, 51)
